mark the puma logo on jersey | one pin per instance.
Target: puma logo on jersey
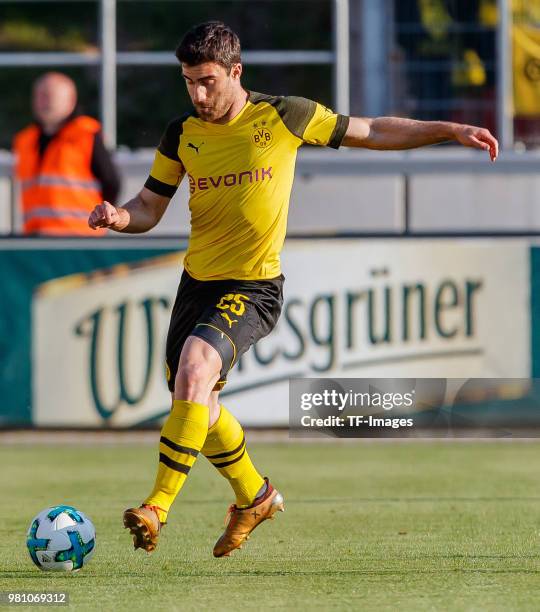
(195, 147)
(228, 319)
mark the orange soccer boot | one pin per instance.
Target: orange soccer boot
(242, 521)
(144, 525)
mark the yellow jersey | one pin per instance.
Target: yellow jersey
(240, 179)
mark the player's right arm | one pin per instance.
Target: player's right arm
(145, 210)
(139, 215)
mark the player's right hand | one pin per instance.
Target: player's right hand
(105, 215)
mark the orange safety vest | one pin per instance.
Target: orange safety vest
(58, 189)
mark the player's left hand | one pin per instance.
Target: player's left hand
(479, 138)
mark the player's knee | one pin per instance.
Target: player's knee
(193, 378)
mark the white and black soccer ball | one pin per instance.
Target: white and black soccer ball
(62, 539)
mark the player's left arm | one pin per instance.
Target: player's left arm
(396, 133)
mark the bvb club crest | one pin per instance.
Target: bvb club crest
(261, 136)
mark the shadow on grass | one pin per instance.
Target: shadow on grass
(268, 573)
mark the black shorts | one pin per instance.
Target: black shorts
(230, 315)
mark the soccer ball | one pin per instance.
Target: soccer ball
(61, 538)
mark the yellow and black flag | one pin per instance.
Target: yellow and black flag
(526, 61)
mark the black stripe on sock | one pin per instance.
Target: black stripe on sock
(174, 465)
(226, 463)
(229, 453)
(178, 448)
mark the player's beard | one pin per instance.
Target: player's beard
(219, 108)
(208, 113)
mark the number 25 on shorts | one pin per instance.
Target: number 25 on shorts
(233, 302)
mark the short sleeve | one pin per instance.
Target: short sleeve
(167, 170)
(325, 127)
(312, 122)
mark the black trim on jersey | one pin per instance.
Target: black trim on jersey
(170, 140)
(338, 134)
(295, 112)
(160, 188)
(168, 146)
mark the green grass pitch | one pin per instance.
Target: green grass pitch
(372, 526)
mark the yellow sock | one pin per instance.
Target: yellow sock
(182, 437)
(225, 448)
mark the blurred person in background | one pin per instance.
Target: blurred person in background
(62, 164)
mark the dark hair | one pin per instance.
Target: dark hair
(212, 41)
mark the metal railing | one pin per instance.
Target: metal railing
(108, 58)
(370, 17)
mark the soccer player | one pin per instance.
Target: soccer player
(238, 149)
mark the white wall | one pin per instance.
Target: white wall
(365, 191)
